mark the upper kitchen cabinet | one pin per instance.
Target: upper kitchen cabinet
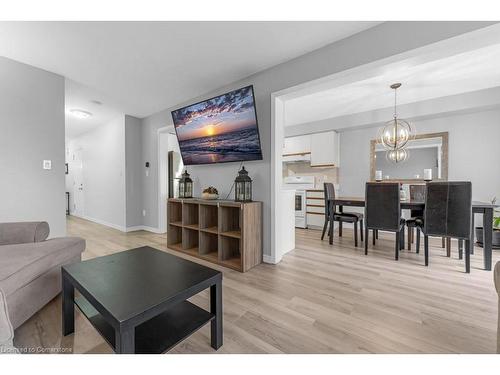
(324, 149)
(297, 145)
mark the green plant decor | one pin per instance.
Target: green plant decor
(496, 216)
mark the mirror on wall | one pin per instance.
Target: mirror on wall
(427, 156)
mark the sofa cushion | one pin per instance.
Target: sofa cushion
(23, 232)
(6, 331)
(22, 263)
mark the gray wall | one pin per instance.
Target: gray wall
(473, 152)
(377, 43)
(31, 130)
(134, 171)
(103, 152)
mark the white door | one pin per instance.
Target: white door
(78, 186)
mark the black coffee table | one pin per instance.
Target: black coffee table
(136, 299)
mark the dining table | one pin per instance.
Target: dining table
(484, 208)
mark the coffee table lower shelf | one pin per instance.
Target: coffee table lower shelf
(157, 335)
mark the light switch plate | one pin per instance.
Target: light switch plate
(47, 164)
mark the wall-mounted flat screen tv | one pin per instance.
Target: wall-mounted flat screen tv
(220, 129)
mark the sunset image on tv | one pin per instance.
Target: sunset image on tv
(221, 129)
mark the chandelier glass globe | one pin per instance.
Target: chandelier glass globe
(395, 134)
(397, 156)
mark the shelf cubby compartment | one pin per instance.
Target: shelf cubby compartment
(229, 252)
(174, 238)
(190, 215)
(208, 246)
(230, 221)
(208, 218)
(190, 239)
(175, 213)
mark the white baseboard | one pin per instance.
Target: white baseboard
(119, 227)
(102, 222)
(146, 228)
(269, 259)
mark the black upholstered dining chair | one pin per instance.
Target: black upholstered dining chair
(448, 211)
(417, 193)
(331, 215)
(383, 212)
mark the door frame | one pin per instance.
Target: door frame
(162, 135)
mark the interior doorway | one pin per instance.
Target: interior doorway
(170, 168)
(78, 183)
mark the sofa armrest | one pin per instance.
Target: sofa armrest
(6, 331)
(25, 232)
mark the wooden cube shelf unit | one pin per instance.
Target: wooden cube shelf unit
(227, 233)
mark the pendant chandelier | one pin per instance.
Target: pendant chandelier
(394, 136)
(397, 156)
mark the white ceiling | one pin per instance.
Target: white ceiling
(460, 73)
(144, 67)
(84, 98)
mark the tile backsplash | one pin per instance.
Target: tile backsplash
(304, 169)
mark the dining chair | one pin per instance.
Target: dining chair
(383, 212)
(448, 211)
(331, 215)
(417, 193)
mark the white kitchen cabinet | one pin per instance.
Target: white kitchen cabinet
(324, 149)
(297, 145)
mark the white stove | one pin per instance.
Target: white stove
(300, 184)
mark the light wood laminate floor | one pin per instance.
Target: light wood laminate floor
(319, 299)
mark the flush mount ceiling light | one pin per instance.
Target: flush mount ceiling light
(397, 132)
(80, 113)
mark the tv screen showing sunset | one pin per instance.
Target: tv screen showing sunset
(219, 130)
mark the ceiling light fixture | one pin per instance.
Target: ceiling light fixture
(397, 132)
(80, 113)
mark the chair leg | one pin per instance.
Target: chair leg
(402, 239)
(324, 228)
(340, 228)
(366, 240)
(361, 230)
(330, 230)
(448, 247)
(418, 241)
(355, 234)
(442, 242)
(467, 256)
(398, 245)
(412, 235)
(410, 232)
(374, 235)
(426, 249)
(472, 235)
(460, 248)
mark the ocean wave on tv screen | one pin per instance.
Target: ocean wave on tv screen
(235, 146)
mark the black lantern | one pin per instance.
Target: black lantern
(185, 186)
(243, 187)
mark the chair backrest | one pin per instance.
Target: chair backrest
(448, 209)
(329, 191)
(417, 192)
(382, 206)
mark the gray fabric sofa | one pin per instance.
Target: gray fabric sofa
(30, 267)
(496, 275)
